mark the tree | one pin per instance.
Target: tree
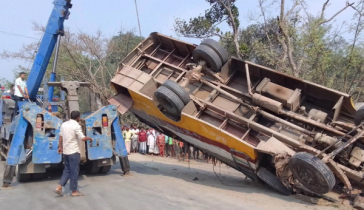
(207, 25)
(292, 40)
(88, 58)
(309, 46)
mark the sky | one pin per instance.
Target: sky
(110, 16)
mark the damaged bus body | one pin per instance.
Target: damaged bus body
(289, 133)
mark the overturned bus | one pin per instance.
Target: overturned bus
(282, 130)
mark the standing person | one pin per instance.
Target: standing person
(151, 140)
(195, 153)
(147, 130)
(179, 146)
(186, 150)
(166, 145)
(134, 140)
(176, 145)
(69, 144)
(142, 141)
(156, 148)
(20, 91)
(127, 134)
(161, 143)
(171, 147)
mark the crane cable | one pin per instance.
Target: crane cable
(136, 8)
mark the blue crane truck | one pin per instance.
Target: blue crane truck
(29, 138)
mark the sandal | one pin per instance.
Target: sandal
(78, 194)
(59, 192)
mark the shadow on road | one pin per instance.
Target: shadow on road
(225, 181)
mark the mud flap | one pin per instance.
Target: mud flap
(46, 139)
(101, 146)
(120, 149)
(16, 154)
(8, 175)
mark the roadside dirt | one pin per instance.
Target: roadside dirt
(155, 183)
(228, 183)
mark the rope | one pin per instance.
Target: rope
(136, 8)
(231, 185)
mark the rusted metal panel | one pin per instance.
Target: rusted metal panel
(122, 102)
(225, 103)
(274, 147)
(117, 78)
(149, 88)
(263, 108)
(134, 73)
(144, 78)
(136, 86)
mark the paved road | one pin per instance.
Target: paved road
(156, 183)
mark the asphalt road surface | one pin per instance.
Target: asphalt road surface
(155, 183)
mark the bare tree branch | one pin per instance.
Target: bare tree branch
(336, 14)
(234, 26)
(261, 2)
(323, 9)
(289, 48)
(357, 31)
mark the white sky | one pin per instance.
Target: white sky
(110, 15)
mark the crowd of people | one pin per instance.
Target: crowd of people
(149, 141)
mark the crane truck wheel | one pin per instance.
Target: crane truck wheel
(212, 59)
(92, 167)
(311, 172)
(104, 169)
(216, 46)
(38, 176)
(272, 180)
(178, 90)
(169, 101)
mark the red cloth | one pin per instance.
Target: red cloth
(142, 136)
(161, 150)
(161, 140)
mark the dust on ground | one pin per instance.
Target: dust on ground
(156, 183)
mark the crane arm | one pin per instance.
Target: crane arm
(54, 29)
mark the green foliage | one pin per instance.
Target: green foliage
(86, 58)
(207, 24)
(129, 118)
(5, 83)
(121, 45)
(292, 40)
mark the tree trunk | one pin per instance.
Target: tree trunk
(98, 101)
(93, 102)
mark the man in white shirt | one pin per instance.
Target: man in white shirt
(134, 141)
(69, 144)
(20, 90)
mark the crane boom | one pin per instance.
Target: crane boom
(54, 29)
(33, 145)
